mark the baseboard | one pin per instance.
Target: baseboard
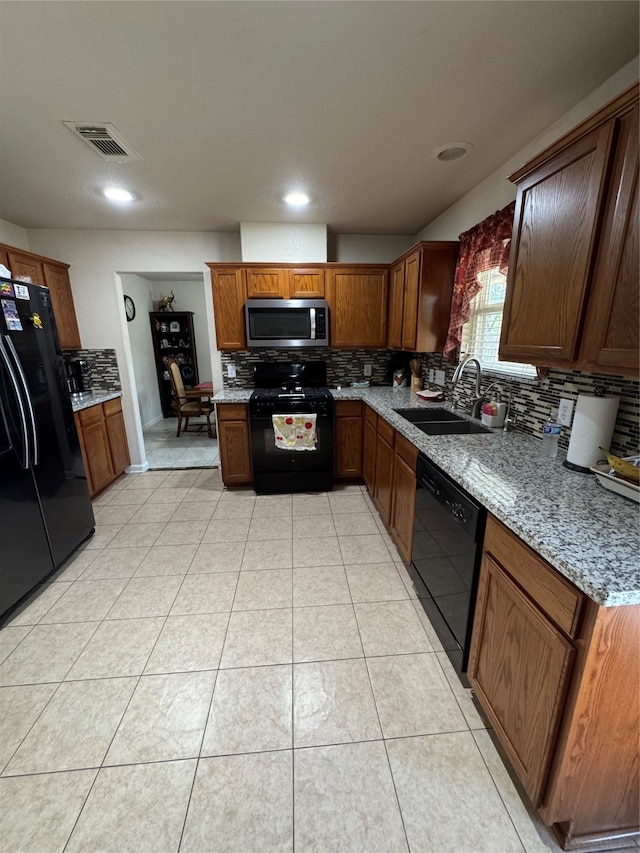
(152, 422)
(137, 469)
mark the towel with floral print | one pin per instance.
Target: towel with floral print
(294, 432)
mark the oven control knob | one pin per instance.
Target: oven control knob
(457, 512)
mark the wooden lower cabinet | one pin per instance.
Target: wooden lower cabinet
(558, 677)
(234, 443)
(383, 488)
(369, 438)
(347, 440)
(103, 442)
(404, 495)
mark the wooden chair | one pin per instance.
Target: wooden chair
(187, 406)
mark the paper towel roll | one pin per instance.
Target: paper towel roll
(592, 428)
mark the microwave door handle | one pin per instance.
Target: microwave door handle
(24, 461)
(27, 396)
(312, 317)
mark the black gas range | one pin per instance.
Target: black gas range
(291, 425)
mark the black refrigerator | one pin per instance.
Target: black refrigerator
(45, 509)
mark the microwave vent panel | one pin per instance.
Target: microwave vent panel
(105, 140)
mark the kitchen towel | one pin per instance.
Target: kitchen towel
(294, 432)
(592, 428)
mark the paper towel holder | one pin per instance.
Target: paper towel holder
(598, 391)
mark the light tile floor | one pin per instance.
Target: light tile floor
(189, 450)
(216, 671)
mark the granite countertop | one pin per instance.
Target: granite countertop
(93, 399)
(589, 534)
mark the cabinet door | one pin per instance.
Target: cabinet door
(610, 341)
(266, 283)
(56, 279)
(305, 284)
(348, 440)
(26, 268)
(95, 441)
(383, 490)
(117, 435)
(555, 227)
(358, 303)
(412, 273)
(404, 504)
(520, 666)
(229, 295)
(396, 306)
(369, 438)
(235, 449)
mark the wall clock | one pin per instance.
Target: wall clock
(129, 308)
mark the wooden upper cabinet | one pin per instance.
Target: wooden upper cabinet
(25, 267)
(421, 285)
(56, 278)
(358, 303)
(610, 340)
(305, 283)
(266, 282)
(572, 289)
(229, 294)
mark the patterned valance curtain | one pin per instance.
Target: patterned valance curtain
(482, 247)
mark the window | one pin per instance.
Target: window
(481, 334)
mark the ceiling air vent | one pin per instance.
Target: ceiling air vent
(105, 140)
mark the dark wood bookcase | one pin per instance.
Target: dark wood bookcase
(172, 334)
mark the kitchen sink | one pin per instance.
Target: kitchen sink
(440, 422)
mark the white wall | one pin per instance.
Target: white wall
(96, 258)
(369, 249)
(190, 296)
(274, 242)
(13, 235)
(141, 342)
(496, 191)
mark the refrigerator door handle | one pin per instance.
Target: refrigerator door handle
(27, 396)
(23, 415)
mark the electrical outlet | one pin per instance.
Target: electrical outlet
(367, 369)
(565, 410)
(439, 380)
(432, 375)
(231, 371)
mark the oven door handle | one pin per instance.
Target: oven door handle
(312, 317)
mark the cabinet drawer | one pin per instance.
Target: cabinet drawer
(558, 598)
(371, 417)
(112, 407)
(386, 431)
(90, 415)
(231, 412)
(348, 408)
(406, 451)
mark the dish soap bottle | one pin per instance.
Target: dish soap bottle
(550, 435)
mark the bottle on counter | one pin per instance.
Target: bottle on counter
(550, 435)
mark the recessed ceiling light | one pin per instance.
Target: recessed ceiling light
(118, 194)
(452, 151)
(297, 199)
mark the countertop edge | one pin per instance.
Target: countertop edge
(81, 403)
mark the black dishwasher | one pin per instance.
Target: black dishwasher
(447, 548)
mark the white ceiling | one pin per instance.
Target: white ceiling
(231, 104)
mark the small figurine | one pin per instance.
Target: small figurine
(166, 303)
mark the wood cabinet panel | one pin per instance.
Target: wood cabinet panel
(229, 295)
(610, 341)
(396, 305)
(383, 489)
(410, 311)
(347, 444)
(404, 503)
(234, 444)
(520, 666)
(118, 445)
(358, 304)
(56, 278)
(266, 283)
(369, 440)
(305, 283)
(555, 227)
(96, 451)
(25, 267)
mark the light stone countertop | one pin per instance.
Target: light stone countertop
(80, 403)
(590, 535)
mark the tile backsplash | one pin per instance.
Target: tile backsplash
(103, 368)
(531, 399)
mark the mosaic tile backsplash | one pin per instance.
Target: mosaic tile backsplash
(103, 368)
(531, 400)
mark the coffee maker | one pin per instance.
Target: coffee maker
(77, 373)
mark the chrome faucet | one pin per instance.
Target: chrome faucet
(477, 400)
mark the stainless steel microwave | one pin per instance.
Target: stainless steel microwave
(287, 322)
